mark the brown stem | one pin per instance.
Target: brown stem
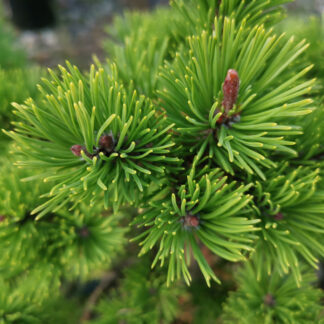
(106, 280)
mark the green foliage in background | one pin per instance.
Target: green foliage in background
(16, 85)
(142, 297)
(273, 298)
(312, 29)
(22, 301)
(139, 42)
(12, 54)
(77, 243)
(17, 81)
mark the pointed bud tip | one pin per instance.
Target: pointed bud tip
(230, 89)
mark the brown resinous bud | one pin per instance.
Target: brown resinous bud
(190, 221)
(83, 232)
(107, 143)
(76, 150)
(279, 216)
(231, 89)
(269, 300)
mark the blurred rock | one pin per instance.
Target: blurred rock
(32, 14)
(320, 6)
(307, 6)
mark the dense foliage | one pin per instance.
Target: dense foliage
(200, 140)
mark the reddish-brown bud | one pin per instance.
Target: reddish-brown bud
(190, 221)
(107, 142)
(230, 89)
(2, 218)
(278, 217)
(84, 232)
(76, 150)
(269, 300)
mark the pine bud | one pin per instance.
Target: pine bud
(230, 90)
(269, 300)
(278, 217)
(76, 150)
(83, 232)
(107, 143)
(190, 221)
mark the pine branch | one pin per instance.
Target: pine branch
(206, 209)
(260, 119)
(273, 298)
(287, 234)
(96, 141)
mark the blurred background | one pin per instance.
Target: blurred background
(51, 31)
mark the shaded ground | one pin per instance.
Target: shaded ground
(78, 33)
(80, 29)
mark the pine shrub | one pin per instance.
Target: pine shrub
(195, 151)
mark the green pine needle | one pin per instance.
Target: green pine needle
(261, 122)
(206, 211)
(79, 111)
(273, 299)
(287, 233)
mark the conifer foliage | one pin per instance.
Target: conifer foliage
(200, 140)
(273, 299)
